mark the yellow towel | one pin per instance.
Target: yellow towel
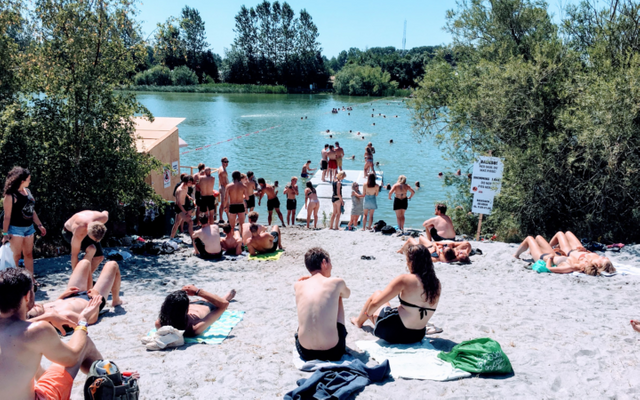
(267, 256)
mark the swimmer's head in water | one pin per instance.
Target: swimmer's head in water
(174, 310)
(417, 184)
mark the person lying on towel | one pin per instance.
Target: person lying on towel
(572, 247)
(264, 242)
(418, 293)
(442, 252)
(548, 259)
(194, 318)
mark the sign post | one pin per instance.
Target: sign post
(486, 182)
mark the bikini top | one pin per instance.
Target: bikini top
(423, 310)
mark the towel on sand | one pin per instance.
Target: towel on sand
(267, 256)
(163, 338)
(413, 361)
(218, 331)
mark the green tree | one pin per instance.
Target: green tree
(363, 80)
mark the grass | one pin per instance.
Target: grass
(213, 88)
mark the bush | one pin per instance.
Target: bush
(213, 88)
(156, 76)
(183, 76)
(363, 80)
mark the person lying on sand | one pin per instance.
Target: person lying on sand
(418, 293)
(263, 242)
(192, 317)
(232, 242)
(554, 260)
(23, 343)
(635, 325)
(206, 241)
(253, 219)
(440, 227)
(70, 305)
(321, 332)
(442, 252)
(571, 245)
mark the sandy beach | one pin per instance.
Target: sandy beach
(567, 336)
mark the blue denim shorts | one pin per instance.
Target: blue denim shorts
(22, 231)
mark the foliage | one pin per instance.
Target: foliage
(363, 80)
(157, 76)
(66, 122)
(559, 106)
(183, 76)
(272, 46)
(214, 88)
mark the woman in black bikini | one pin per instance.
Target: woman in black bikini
(337, 201)
(418, 293)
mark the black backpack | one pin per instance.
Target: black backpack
(388, 230)
(379, 225)
(109, 386)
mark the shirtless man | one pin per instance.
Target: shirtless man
(84, 231)
(333, 164)
(207, 203)
(232, 242)
(223, 181)
(236, 193)
(273, 203)
(183, 206)
(206, 241)
(321, 332)
(440, 227)
(401, 201)
(339, 155)
(291, 191)
(324, 161)
(306, 169)
(253, 219)
(442, 252)
(23, 343)
(250, 183)
(196, 180)
(264, 242)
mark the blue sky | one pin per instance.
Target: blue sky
(342, 24)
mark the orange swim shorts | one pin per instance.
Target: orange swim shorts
(55, 384)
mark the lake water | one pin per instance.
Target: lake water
(279, 153)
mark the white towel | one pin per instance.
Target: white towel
(163, 338)
(412, 361)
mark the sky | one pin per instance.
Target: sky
(342, 24)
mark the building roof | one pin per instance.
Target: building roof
(149, 134)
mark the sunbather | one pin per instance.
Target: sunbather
(442, 252)
(571, 245)
(192, 317)
(418, 293)
(554, 260)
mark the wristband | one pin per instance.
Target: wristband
(4, 233)
(198, 291)
(81, 328)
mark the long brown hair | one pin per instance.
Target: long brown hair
(371, 180)
(15, 177)
(419, 258)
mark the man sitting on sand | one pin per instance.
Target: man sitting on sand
(84, 231)
(440, 227)
(194, 318)
(206, 241)
(253, 219)
(263, 242)
(232, 242)
(23, 343)
(68, 308)
(321, 332)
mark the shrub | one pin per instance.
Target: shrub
(183, 76)
(363, 80)
(156, 76)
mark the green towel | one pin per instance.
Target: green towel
(267, 256)
(540, 266)
(218, 331)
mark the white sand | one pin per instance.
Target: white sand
(566, 336)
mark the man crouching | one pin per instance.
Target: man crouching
(321, 332)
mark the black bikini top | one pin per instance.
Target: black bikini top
(423, 310)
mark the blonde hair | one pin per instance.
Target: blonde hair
(96, 230)
(402, 179)
(355, 187)
(341, 175)
(591, 269)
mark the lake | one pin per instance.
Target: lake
(278, 154)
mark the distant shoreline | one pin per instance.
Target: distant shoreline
(243, 89)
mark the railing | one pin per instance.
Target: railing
(189, 168)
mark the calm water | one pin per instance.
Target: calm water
(278, 154)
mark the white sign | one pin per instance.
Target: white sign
(482, 203)
(175, 168)
(487, 175)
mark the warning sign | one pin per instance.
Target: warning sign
(167, 177)
(487, 175)
(482, 203)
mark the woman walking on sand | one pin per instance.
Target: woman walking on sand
(312, 204)
(337, 201)
(19, 216)
(370, 191)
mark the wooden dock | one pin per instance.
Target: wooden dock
(324, 191)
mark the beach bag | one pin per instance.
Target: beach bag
(479, 356)
(388, 230)
(105, 382)
(6, 257)
(379, 225)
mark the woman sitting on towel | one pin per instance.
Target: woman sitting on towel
(446, 252)
(192, 317)
(418, 293)
(571, 245)
(548, 259)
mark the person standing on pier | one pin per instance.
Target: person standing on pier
(223, 181)
(401, 201)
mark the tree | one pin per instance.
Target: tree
(170, 49)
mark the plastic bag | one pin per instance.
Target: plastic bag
(6, 257)
(479, 356)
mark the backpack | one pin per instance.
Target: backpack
(103, 386)
(478, 356)
(379, 225)
(388, 230)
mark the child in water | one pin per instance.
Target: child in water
(356, 206)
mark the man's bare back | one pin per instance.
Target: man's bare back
(210, 237)
(207, 184)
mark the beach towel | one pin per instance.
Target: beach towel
(267, 256)
(624, 269)
(218, 331)
(412, 361)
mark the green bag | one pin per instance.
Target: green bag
(479, 356)
(109, 386)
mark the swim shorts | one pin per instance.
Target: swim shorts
(207, 203)
(273, 203)
(389, 327)
(436, 237)
(292, 204)
(323, 164)
(55, 384)
(304, 175)
(251, 201)
(86, 242)
(203, 251)
(400, 204)
(333, 164)
(333, 354)
(236, 208)
(339, 161)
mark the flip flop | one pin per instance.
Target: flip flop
(432, 329)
